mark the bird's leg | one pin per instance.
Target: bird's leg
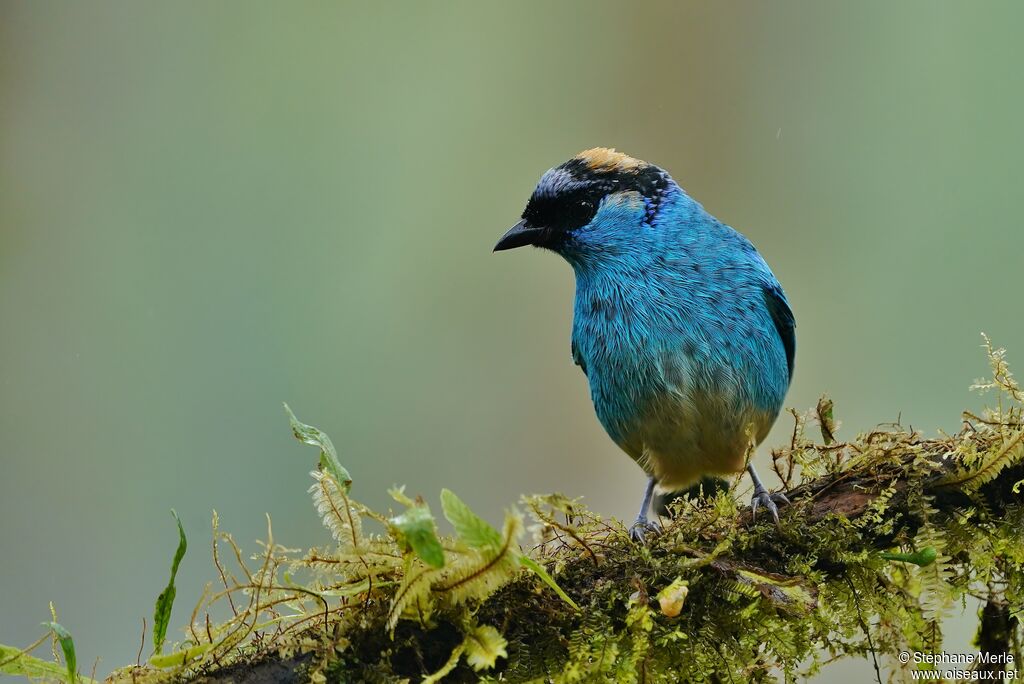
(763, 498)
(641, 526)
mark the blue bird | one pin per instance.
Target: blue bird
(682, 330)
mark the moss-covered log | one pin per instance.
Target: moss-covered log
(886, 535)
(866, 561)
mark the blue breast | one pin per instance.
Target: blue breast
(686, 310)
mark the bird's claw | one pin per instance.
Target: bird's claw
(641, 527)
(762, 497)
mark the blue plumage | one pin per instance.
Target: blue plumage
(683, 331)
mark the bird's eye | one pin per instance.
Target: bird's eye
(582, 211)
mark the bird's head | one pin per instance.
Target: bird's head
(593, 204)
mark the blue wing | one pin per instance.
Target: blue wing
(785, 323)
(577, 359)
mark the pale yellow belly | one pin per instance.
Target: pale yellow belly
(680, 441)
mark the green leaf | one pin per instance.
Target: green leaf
(826, 420)
(17, 663)
(179, 658)
(165, 601)
(67, 645)
(307, 434)
(922, 558)
(419, 532)
(484, 645)
(539, 570)
(473, 530)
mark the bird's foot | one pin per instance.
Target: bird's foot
(641, 527)
(762, 497)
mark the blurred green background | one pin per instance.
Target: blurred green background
(208, 209)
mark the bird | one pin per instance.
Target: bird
(685, 335)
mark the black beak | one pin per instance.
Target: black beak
(520, 234)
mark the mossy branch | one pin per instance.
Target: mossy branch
(886, 533)
(757, 601)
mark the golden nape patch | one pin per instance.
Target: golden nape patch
(606, 159)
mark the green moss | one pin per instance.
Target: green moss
(887, 534)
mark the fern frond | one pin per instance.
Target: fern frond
(988, 466)
(413, 595)
(734, 588)
(935, 596)
(1002, 378)
(478, 573)
(340, 515)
